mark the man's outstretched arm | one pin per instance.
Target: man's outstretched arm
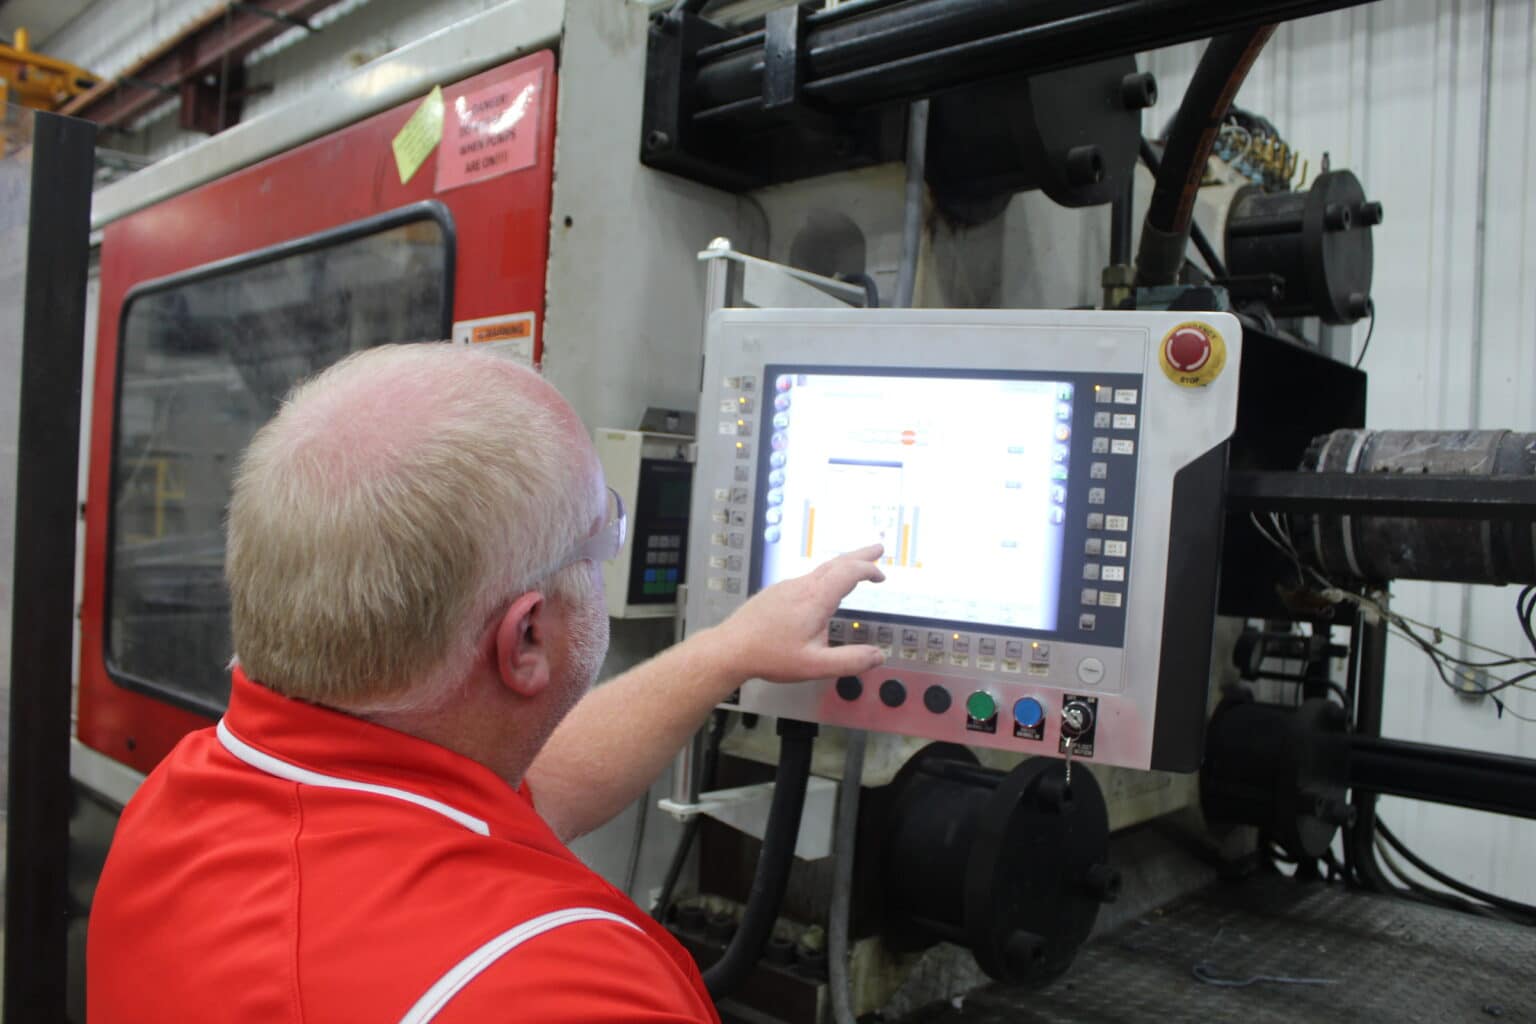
(618, 739)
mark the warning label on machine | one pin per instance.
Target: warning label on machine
(509, 335)
(491, 131)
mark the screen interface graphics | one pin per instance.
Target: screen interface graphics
(961, 476)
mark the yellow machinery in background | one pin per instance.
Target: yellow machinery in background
(36, 80)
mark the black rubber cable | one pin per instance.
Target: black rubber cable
(1170, 213)
(1524, 910)
(778, 854)
(1196, 232)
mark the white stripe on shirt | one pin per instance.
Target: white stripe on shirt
(293, 773)
(466, 970)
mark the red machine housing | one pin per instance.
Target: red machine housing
(501, 237)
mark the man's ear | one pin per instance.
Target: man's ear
(522, 654)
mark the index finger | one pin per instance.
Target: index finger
(848, 571)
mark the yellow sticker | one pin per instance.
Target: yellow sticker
(420, 136)
(1193, 354)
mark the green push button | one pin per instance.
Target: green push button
(981, 706)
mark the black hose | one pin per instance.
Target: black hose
(773, 864)
(1523, 910)
(1171, 212)
(1196, 232)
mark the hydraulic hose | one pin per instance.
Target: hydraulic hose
(1220, 74)
(1196, 233)
(773, 864)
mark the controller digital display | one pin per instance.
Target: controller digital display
(963, 477)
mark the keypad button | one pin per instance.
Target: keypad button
(738, 540)
(987, 646)
(1013, 649)
(960, 644)
(1039, 653)
(1090, 671)
(733, 563)
(850, 688)
(837, 630)
(1095, 520)
(911, 638)
(937, 699)
(1102, 420)
(1091, 571)
(885, 636)
(893, 693)
(732, 585)
(1100, 446)
(1098, 470)
(1103, 395)
(1095, 495)
(1093, 546)
(1085, 623)
(935, 641)
(1090, 596)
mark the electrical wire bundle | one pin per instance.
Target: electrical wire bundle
(1253, 147)
(1471, 678)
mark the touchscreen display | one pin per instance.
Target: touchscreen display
(963, 478)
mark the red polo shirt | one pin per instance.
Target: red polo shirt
(297, 864)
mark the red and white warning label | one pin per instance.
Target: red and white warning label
(491, 131)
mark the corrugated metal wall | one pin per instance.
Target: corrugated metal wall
(1433, 105)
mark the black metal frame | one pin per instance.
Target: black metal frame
(1478, 780)
(43, 618)
(814, 92)
(429, 209)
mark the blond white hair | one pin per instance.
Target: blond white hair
(393, 504)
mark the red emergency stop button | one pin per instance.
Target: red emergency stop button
(1193, 354)
(1188, 349)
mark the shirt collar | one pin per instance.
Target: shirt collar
(325, 742)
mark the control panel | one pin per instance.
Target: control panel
(1047, 486)
(652, 475)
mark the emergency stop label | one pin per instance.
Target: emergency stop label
(491, 131)
(1193, 354)
(510, 336)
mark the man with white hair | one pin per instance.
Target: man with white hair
(376, 828)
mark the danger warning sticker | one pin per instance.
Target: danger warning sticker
(509, 335)
(491, 131)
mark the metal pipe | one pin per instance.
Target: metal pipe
(1122, 224)
(912, 215)
(48, 313)
(1444, 775)
(895, 53)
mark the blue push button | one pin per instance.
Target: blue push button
(650, 575)
(1028, 712)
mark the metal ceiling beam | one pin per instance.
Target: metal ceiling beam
(224, 37)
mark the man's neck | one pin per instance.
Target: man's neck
(477, 723)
